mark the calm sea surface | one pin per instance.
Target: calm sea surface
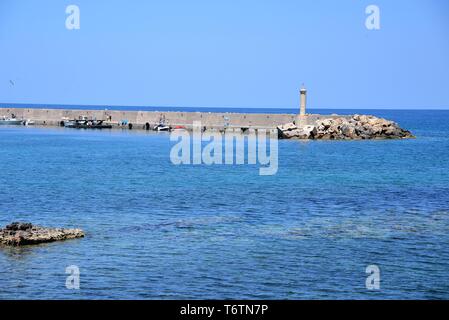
(159, 231)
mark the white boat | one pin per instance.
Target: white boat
(10, 121)
(162, 127)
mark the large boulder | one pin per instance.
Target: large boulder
(308, 132)
(291, 131)
(287, 131)
(287, 127)
(348, 131)
(289, 134)
(326, 123)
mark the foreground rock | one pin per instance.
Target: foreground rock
(346, 128)
(18, 234)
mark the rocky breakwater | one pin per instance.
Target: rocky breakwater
(18, 234)
(357, 127)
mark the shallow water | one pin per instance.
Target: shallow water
(159, 231)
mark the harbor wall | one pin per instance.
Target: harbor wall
(139, 119)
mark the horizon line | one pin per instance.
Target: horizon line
(104, 106)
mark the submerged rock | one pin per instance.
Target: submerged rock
(18, 234)
(346, 128)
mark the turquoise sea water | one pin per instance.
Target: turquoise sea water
(159, 231)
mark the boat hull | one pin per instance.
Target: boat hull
(83, 126)
(11, 122)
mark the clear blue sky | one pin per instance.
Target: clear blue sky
(226, 53)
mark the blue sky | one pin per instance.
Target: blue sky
(226, 53)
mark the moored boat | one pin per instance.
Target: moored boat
(11, 121)
(86, 124)
(162, 127)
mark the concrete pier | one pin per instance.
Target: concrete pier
(148, 119)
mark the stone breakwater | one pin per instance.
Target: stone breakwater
(310, 126)
(357, 127)
(18, 234)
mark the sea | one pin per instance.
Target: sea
(339, 219)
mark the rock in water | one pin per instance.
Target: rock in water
(18, 234)
(289, 131)
(346, 128)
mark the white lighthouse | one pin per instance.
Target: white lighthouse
(302, 99)
(301, 118)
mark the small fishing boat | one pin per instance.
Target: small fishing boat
(10, 121)
(162, 127)
(86, 124)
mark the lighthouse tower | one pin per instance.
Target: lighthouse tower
(301, 118)
(302, 99)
